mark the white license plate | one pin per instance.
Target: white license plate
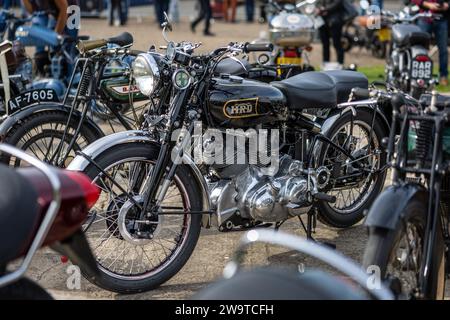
(422, 69)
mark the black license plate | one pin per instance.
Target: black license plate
(422, 69)
(31, 97)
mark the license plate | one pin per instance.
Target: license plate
(285, 60)
(422, 69)
(384, 35)
(31, 97)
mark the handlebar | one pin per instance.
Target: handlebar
(257, 47)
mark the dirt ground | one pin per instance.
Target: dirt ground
(214, 248)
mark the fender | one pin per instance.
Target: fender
(336, 113)
(21, 115)
(386, 211)
(80, 163)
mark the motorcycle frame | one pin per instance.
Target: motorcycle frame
(438, 167)
(97, 65)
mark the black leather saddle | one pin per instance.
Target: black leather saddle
(410, 34)
(312, 90)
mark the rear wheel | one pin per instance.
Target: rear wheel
(42, 136)
(399, 253)
(355, 184)
(134, 256)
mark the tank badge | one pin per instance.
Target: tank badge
(243, 108)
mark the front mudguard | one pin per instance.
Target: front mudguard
(387, 210)
(19, 116)
(81, 162)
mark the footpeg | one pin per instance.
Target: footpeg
(325, 197)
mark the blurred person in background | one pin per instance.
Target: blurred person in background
(6, 4)
(174, 11)
(227, 5)
(205, 13)
(438, 28)
(161, 6)
(250, 10)
(331, 11)
(113, 7)
(378, 3)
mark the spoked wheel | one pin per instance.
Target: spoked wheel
(399, 254)
(43, 136)
(138, 252)
(354, 183)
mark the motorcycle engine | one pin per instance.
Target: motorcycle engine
(254, 196)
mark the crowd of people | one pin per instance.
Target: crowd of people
(331, 11)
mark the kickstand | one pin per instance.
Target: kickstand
(310, 227)
(278, 225)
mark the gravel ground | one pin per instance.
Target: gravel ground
(214, 248)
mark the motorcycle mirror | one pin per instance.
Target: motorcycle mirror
(263, 58)
(167, 26)
(364, 4)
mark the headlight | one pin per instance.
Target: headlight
(310, 9)
(146, 73)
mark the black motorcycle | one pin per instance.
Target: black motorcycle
(409, 66)
(408, 223)
(276, 162)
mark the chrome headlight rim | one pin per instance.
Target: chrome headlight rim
(151, 69)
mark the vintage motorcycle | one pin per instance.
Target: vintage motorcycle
(409, 222)
(54, 131)
(357, 33)
(40, 206)
(156, 194)
(284, 283)
(409, 66)
(52, 67)
(291, 30)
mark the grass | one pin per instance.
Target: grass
(377, 73)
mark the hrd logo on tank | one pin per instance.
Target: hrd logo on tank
(242, 108)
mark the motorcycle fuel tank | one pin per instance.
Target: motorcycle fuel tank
(291, 29)
(239, 103)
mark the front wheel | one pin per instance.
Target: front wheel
(137, 252)
(354, 183)
(399, 254)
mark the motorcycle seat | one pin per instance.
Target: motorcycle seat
(18, 214)
(309, 90)
(234, 67)
(410, 34)
(345, 81)
(324, 89)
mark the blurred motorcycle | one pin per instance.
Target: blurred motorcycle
(276, 283)
(41, 206)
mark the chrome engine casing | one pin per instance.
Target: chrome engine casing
(255, 196)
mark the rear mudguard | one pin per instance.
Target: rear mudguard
(327, 124)
(80, 163)
(21, 115)
(387, 210)
(336, 113)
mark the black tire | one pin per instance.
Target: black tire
(150, 152)
(382, 242)
(379, 49)
(20, 133)
(331, 216)
(24, 289)
(347, 42)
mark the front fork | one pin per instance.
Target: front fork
(157, 182)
